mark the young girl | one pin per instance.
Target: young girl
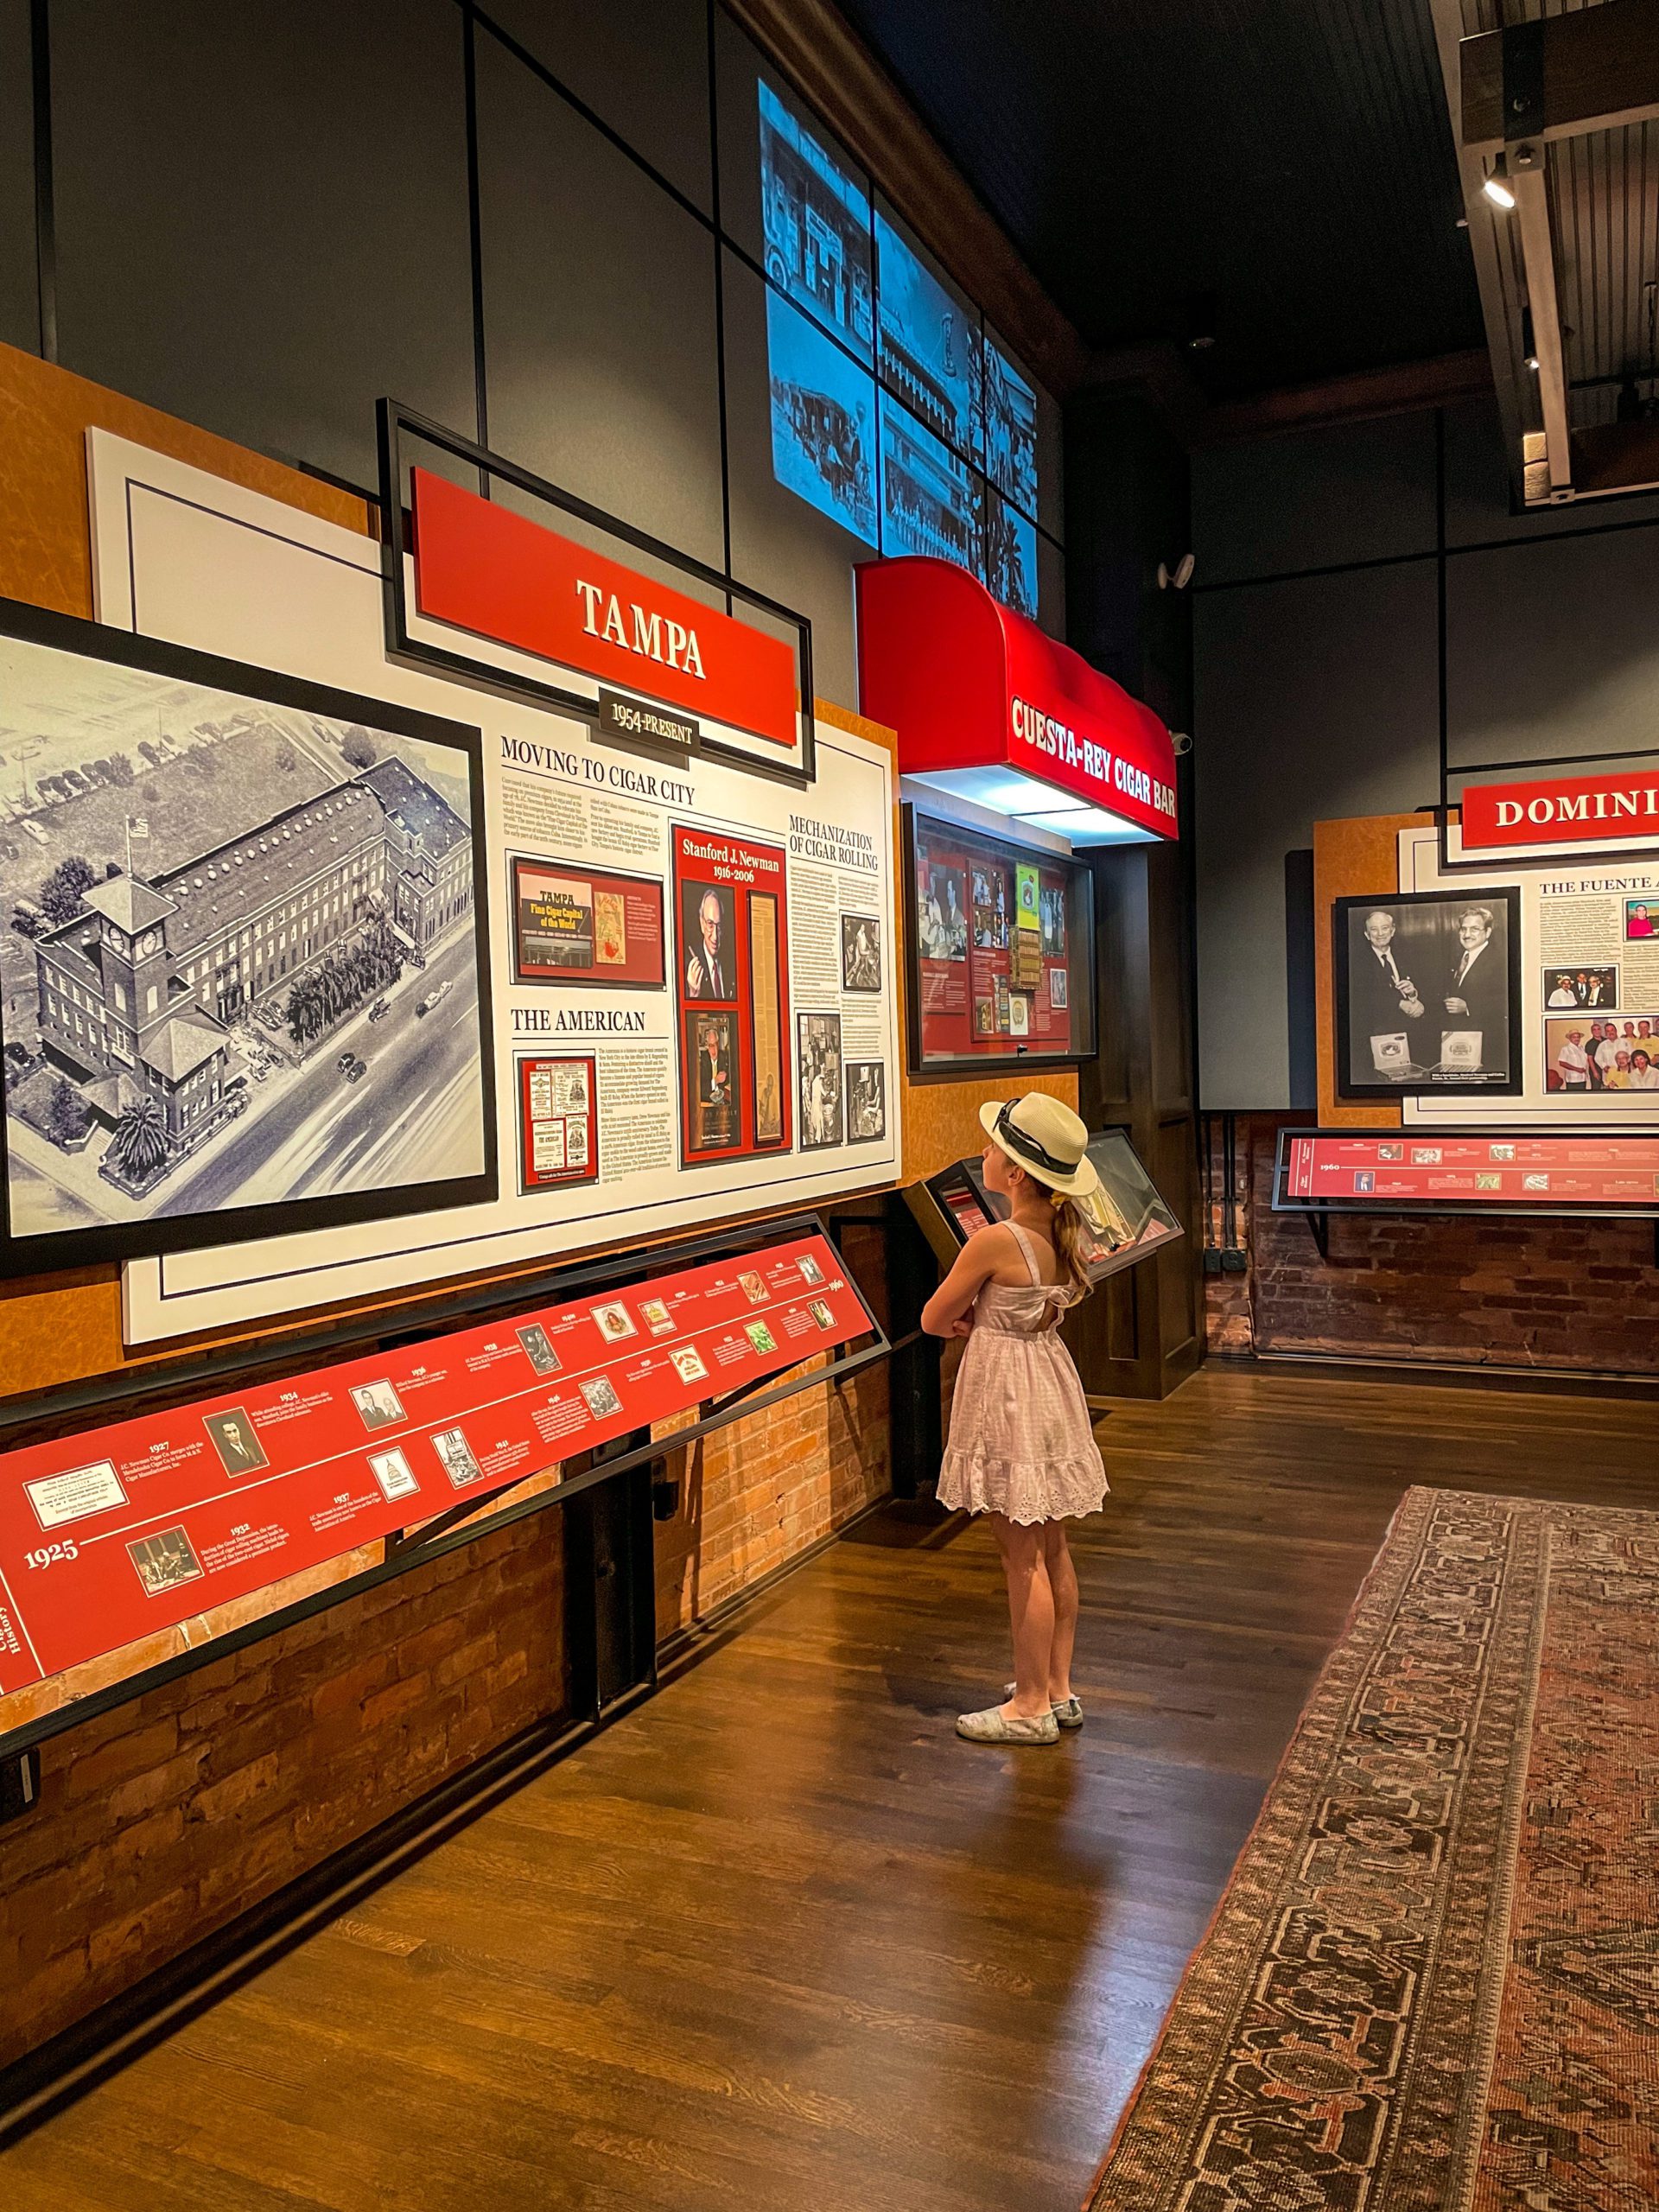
(1022, 1446)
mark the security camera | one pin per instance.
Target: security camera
(1179, 740)
(1177, 579)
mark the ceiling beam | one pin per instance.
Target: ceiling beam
(1531, 190)
(1590, 70)
(1361, 397)
(813, 44)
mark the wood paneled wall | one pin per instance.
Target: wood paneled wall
(1355, 858)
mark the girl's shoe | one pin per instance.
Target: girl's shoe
(994, 1727)
(1067, 1711)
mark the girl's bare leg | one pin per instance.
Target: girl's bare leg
(1063, 1588)
(1031, 1611)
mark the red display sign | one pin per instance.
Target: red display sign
(732, 984)
(968, 684)
(1560, 810)
(486, 569)
(574, 925)
(106, 1536)
(1545, 1171)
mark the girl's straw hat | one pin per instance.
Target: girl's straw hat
(1045, 1139)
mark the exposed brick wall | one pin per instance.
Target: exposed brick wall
(1229, 1323)
(164, 1819)
(1582, 1297)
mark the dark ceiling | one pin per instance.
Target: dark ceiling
(1277, 174)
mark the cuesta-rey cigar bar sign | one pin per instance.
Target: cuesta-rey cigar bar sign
(482, 567)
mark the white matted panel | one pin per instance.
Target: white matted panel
(180, 554)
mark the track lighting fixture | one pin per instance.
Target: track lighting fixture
(1498, 188)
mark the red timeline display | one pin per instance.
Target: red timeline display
(1541, 1171)
(110, 1534)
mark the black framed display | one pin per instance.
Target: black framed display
(245, 982)
(1126, 1219)
(1001, 948)
(1427, 994)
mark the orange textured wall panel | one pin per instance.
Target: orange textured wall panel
(1355, 858)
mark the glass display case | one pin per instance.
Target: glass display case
(1127, 1220)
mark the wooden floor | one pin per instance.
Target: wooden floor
(778, 1941)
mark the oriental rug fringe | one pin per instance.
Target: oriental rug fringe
(1432, 1983)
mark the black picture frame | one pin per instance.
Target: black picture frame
(916, 826)
(47, 1251)
(1418, 1079)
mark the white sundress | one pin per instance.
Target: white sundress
(1022, 1441)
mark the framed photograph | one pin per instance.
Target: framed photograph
(754, 1286)
(1428, 994)
(377, 1404)
(600, 1393)
(558, 1119)
(654, 1313)
(760, 1335)
(575, 924)
(1059, 987)
(867, 1102)
(231, 1437)
(708, 942)
(861, 953)
(820, 1076)
(457, 1458)
(246, 922)
(1581, 990)
(821, 1313)
(811, 1271)
(688, 1363)
(731, 966)
(712, 1080)
(539, 1353)
(163, 1562)
(392, 1471)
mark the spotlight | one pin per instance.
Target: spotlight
(1498, 188)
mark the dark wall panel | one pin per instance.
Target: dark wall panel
(19, 300)
(780, 544)
(598, 316)
(1553, 648)
(1316, 698)
(262, 213)
(1314, 499)
(642, 66)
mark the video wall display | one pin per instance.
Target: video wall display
(108, 1535)
(1429, 993)
(1583, 958)
(245, 964)
(694, 1009)
(894, 410)
(1003, 950)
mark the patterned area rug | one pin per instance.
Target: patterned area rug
(1432, 1984)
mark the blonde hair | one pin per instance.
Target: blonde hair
(1070, 1230)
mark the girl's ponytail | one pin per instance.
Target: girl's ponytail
(1070, 1233)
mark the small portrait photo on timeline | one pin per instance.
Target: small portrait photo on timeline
(688, 1363)
(754, 1286)
(615, 1323)
(811, 1271)
(231, 1434)
(821, 1314)
(600, 1393)
(1581, 990)
(1364, 1181)
(761, 1336)
(377, 1404)
(163, 1562)
(539, 1353)
(708, 942)
(457, 1458)
(656, 1316)
(394, 1474)
(861, 953)
(1391, 1152)
(1500, 1152)
(1488, 1181)
(1535, 1182)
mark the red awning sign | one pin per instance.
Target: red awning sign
(968, 684)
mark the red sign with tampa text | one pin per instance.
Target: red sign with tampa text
(108, 1535)
(483, 568)
(1561, 810)
(1546, 1172)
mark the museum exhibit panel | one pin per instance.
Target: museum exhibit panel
(619, 628)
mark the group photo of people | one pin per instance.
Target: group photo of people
(1587, 987)
(1595, 1055)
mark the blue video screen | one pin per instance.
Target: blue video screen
(930, 343)
(1010, 555)
(1009, 419)
(815, 217)
(824, 427)
(932, 501)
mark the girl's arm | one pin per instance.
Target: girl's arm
(946, 1312)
